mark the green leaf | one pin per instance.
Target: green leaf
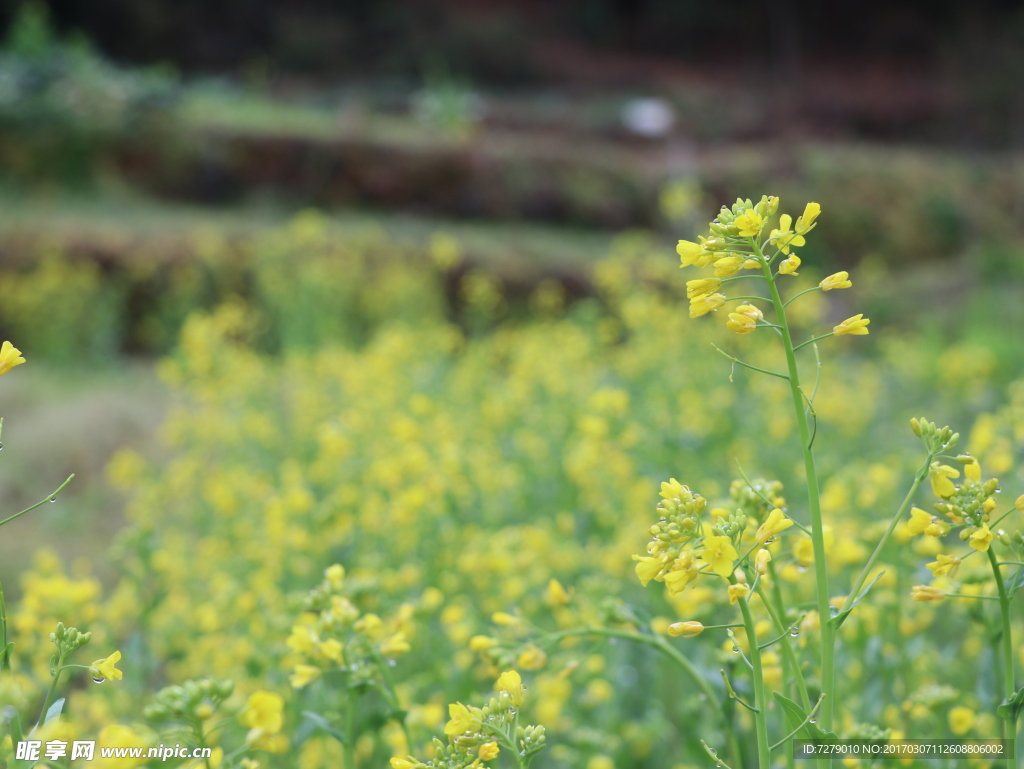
(1010, 708)
(17, 734)
(54, 710)
(796, 715)
(1014, 582)
(838, 620)
(324, 724)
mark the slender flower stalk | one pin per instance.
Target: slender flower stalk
(764, 760)
(735, 243)
(1006, 641)
(827, 632)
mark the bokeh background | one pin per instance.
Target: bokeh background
(336, 168)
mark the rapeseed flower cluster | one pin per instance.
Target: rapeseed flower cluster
(482, 481)
(477, 735)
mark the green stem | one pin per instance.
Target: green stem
(918, 480)
(391, 695)
(5, 657)
(764, 760)
(790, 663)
(51, 498)
(787, 647)
(1010, 723)
(814, 504)
(972, 597)
(747, 365)
(796, 296)
(350, 732)
(816, 339)
(50, 692)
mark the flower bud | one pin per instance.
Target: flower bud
(685, 629)
(926, 593)
(761, 561)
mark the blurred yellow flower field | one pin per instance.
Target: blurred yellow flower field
(385, 529)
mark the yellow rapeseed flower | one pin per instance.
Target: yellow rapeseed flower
(749, 224)
(685, 629)
(982, 538)
(805, 223)
(331, 649)
(940, 475)
(728, 266)
(511, 683)
(370, 625)
(972, 470)
(738, 592)
(773, 525)
(855, 326)
(395, 645)
(688, 252)
(403, 763)
(926, 593)
(335, 576)
(10, 356)
(803, 551)
(489, 750)
(961, 720)
(719, 554)
(303, 675)
(557, 594)
(705, 303)
(789, 265)
(481, 643)
(105, 669)
(264, 713)
(944, 565)
(784, 237)
(303, 639)
(647, 568)
(761, 560)
(532, 658)
(919, 520)
(463, 719)
(671, 488)
(682, 574)
(695, 288)
(837, 280)
(744, 320)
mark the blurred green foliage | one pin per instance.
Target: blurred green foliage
(62, 104)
